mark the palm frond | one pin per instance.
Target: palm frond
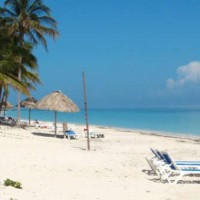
(14, 83)
(49, 21)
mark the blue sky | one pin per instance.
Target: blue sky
(134, 53)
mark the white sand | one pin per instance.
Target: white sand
(60, 169)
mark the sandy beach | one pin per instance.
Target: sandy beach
(115, 168)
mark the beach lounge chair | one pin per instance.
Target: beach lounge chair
(166, 168)
(168, 173)
(92, 134)
(38, 124)
(70, 134)
(171, 169)
(169, 160)
(153, 166)
(162, 156)
(157, 153)
(8, 121)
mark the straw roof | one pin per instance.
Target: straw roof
(28, 102)
(7, 105)
(57, 101)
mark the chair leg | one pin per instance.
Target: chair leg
(178, 179)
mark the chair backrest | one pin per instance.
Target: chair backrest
(157, 153)
(153, 167)
(154, 152)
(169, 160)
(160, 156)
(65, 128)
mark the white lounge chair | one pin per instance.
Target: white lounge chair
(70, 134)
(92, 134)
(160, 156)
(168, 171)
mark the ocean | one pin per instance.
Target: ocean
(173, 121)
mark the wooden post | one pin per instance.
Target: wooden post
(65, 129)
(86, 111)
(29, 116)
(55, 123)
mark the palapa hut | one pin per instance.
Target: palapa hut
(5, 106)
(29, 103)
(57, 102)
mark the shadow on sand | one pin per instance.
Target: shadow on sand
(48, 135)
(158, 180)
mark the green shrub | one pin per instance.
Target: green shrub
(18, 185)
(15, 184)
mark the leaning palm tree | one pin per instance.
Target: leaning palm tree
(9, 80)
(8, 62)
(29, 20)
(9, 59)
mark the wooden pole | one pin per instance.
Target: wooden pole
(4, 112)
(55, 123)
(86, 111)
(29, 116)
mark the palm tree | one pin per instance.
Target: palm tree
(9, 59)
(7, 66)
(29, 20)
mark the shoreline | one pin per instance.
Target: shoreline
(158, 121)
(140, 131)
(146, 132)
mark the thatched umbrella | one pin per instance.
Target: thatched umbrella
(58, 102)
(6, 105)
(30, 104)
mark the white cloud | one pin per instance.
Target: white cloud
(189, 73)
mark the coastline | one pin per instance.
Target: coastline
(142, 131)
(52, 168)
(149, 132)
(165, 121)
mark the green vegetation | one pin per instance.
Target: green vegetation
(23, 24)
(15, 184)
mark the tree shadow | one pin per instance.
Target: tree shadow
(48, 135)
(158, 180)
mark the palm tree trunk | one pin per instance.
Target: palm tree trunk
(1, 98)
(21, 42)
(55, 123)
(5, 99)
(19, 96)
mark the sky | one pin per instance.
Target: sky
(134, 53)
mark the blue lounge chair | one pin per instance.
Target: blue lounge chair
(70, 134)
(169, 171)
(160, 155)
(169, 160)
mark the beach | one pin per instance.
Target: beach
(52, 168)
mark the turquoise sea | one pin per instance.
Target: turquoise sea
(176, 121)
